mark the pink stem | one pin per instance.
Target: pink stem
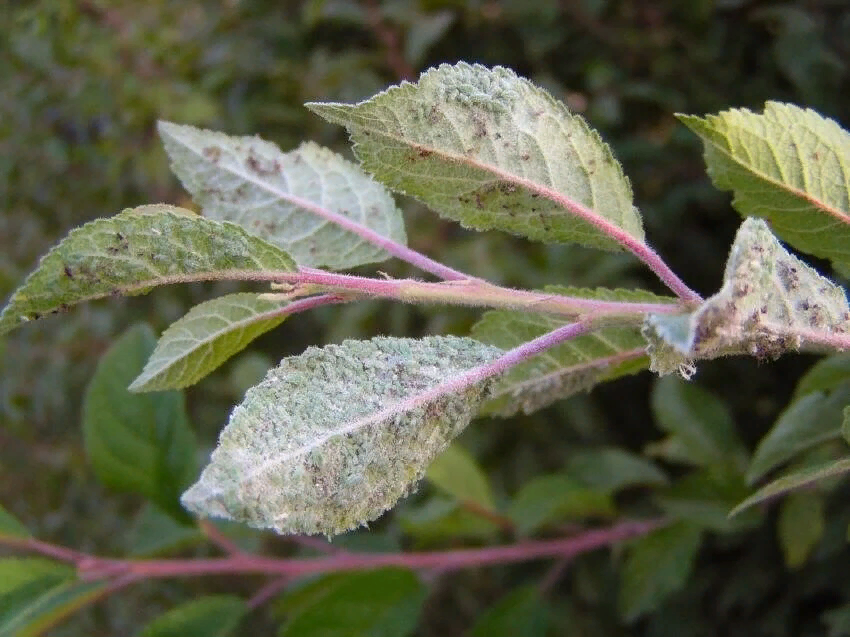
(219, 539)
(398, 250)
(473, 292)
(443, 560)
(634, 245)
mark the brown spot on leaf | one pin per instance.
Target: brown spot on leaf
(213, 153)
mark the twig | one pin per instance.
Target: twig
(268, 591)
(469, 292)
(132, 570)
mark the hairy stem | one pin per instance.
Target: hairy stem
(468, 292)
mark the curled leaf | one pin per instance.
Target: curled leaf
(334, 437)
(771, 302)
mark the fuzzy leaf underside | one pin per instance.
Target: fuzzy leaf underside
(334, 437)
(134, 251)
(789, 165)
(281, 197)
(484, 147)
(572, 367)
(206, 337)
(771, 302)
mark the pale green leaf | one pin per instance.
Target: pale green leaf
(37, 594)
(138, 249)
(491, 150)
(794, 480)
(10, 526)
(800, 526)
(334, 437)
(206, 337)
(789, 165)
(456, 473)
(808, 421)
(521, 613)
(657, 566)
(771, 302)
(209, 616)
(294, 200)
(379, 603)
(700, 422)
(137, 443)
(612, 469)
(571, 367)
(554, 498)
(824, 375)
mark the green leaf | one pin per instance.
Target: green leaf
(800, 526)
(294, 200)
(771, 302)
(825, 375)
(491, 150)
(11, 527)
(845, 424)
(438, 519)
(808, 421)
(553, 498)
(137, 443)
(206, 337)
(456, 473)
(138, 249)
(704, 499)
(657, 566)
(838, 620)
(155, 533)
(788, 165)
(794, 480)
(334, 437)
(379, 603)
(700, 422)
(36, 594)
(209, 616)
(574, 366)
(520, 613)
(612, 469)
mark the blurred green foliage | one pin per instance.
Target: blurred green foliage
(83, 83)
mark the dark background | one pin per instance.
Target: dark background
(83, 83)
